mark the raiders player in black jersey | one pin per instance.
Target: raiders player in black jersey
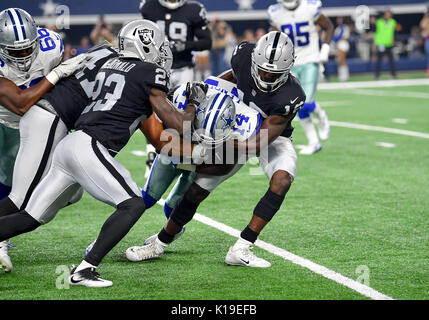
(261, 73)
(125, 91)
(46, 123)
(185, 25)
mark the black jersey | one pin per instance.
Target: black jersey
(287, 99)
(121, 101)
(181, 24)
(71, 95)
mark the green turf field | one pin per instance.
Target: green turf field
(354, 206)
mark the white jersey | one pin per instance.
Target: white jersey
(50, 54)
(300, 26)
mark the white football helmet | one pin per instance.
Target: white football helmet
(19, 40)
(144, 40)
(172, 4)
(272, 59)
(290, 4)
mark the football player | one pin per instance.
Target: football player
(298, 19)
(186, 27)
(128, 89)
(29, 57)
(264, 82)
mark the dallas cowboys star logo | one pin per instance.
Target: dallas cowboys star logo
(228, 122)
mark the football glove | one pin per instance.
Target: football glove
(177, 46)
(324, 53)
(66, 68)
(196, 92)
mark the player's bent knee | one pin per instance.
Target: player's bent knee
(280, 182)
(134, 207)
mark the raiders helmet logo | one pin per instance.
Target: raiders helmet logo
(146, 36)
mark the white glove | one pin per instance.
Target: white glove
(198, 154)
(324, 53)
(66, 68)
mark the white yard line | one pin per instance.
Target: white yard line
(386, 93)
(372, 84)
(316, 268)
(379, 129)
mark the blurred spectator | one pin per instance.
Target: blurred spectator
(415, 44)
(249, 35)
(102, 32)
(341, 37)
(424, 25)
(231, 42)
(219, 43)
(259, 33)
(202, 65)
(384, 39)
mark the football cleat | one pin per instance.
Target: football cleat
(88, 278)
(310, 149)
(153, 250)
(241, 255)
(5, 262)
(153, 237)
(323, 125)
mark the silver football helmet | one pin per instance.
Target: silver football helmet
(144, 40)
(290, 4)
(172, 4)
(19, 43)
(272, 59)
(214, 119)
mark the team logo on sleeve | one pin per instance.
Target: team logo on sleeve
(146, 36)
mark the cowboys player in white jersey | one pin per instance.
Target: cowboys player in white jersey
(27, 55)
(298, 19)
(131, 87)
(264, 82)
(186, 27)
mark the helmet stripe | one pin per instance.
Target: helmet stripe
(273, 50)
(211, 107)
(14, 25)
(217, 113)
(22, 23)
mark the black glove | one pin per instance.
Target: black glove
(177, 46)
(196, 92)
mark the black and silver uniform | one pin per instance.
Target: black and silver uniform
(287, 99)
(71, 95)
(121, 101)
(183, 24)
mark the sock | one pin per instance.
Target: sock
(249, 235)
(149, 201)
(167, 210)
(84, 265)
(16, 224)
(165, 237)
(310, 130)
(7, 207)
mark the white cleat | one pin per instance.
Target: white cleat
(5, 262)
(153, 237)
(311, 149)
(241, 255)
(323, 126)
(88, 278)
(153, 250)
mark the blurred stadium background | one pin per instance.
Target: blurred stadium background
(234, 20)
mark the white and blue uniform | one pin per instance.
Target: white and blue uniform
(163, 172)
(49, 56)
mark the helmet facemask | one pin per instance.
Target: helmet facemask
(290, 4)
(21, 57)
(172, 5)
(268, 80)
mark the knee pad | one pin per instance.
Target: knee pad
(149, 201)
(306, 110)
(134, 207)
(268, 206)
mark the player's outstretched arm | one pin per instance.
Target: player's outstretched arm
(167, 113)
(19, 101)
(273, 125)
(326, 24)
